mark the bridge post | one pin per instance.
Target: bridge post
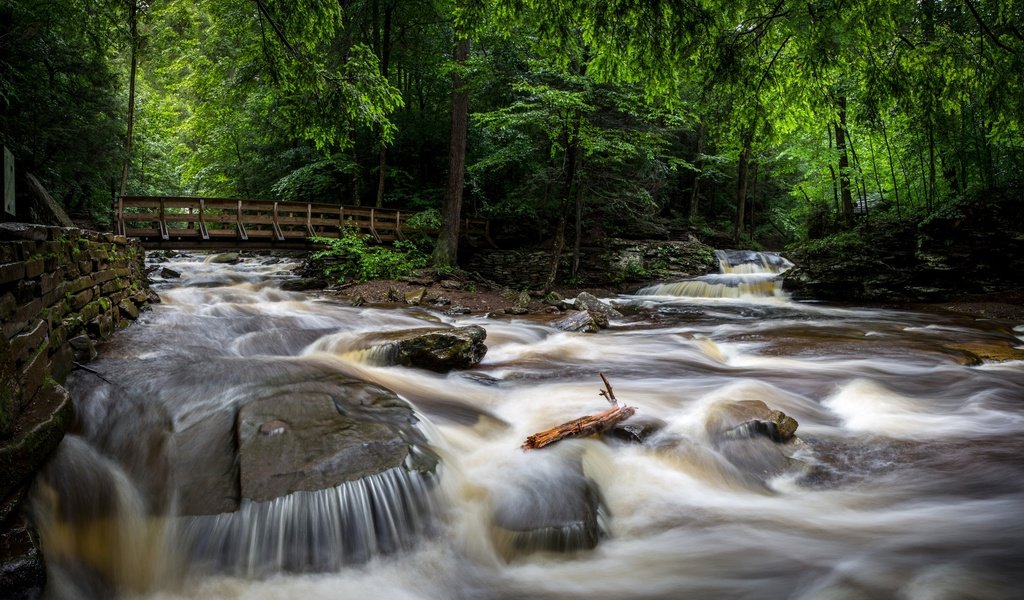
(241, 227)
(202, 219)
(278, 235)
(163, 223)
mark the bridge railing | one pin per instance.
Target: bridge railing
(185, 221)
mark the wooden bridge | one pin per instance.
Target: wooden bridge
(180, 223)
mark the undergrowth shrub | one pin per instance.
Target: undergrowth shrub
(351, 256)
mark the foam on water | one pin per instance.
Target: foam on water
(906, 482)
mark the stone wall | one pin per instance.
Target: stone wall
(616, 263)
(61, 291)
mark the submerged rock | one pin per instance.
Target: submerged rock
(228, 258)
(434, 349)
(637, 430)
(551, 506)
(976, 353)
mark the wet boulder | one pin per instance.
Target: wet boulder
(304, 284)
(636, 430)
(312, 440)
(749, 418)
(415, 297)
(755, 439)
(435, 349)
(596, 306)
(22, 572)
(580, 322)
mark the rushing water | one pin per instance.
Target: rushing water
(907, 479)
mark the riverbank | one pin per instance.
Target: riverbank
(463, 296)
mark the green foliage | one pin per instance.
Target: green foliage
(425, 219)
(618, 111)
(847, 243)
(632, 270)
(61, 108)
(351, 256)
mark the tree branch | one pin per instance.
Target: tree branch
(277, 29)
(992, 36)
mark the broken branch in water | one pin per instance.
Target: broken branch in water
(609, 395)
(584, 426)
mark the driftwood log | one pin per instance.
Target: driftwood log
(584, 426)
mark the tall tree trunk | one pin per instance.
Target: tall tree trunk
(446, 253)
(892, 170)
(698, 163)
(573, 195)
(385, 62)
(133, 26)
(874, 169)
(860, 184)
(931, 165)
(755, 198)
(928, 26)
(556, 251)
(832, 172)
(742, 169)
(844, 164)
(924, 180)
(355, 196)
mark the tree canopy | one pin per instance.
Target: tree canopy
(768, 121)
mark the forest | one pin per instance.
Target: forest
(759, 123)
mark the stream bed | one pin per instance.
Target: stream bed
(905, 478)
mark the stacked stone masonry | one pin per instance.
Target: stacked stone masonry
(61, 291)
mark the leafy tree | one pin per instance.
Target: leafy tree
(60, 108)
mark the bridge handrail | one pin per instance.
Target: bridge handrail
(268, 220)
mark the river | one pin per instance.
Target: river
(906, 478)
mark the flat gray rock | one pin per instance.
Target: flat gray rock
(316, 440)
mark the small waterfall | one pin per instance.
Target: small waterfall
(743, 274)
(320, 530)
(99, 534)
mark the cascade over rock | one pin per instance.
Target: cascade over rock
(313, 441)
(742, 273)
(441, 349)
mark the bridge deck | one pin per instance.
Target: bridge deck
(180, 223)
